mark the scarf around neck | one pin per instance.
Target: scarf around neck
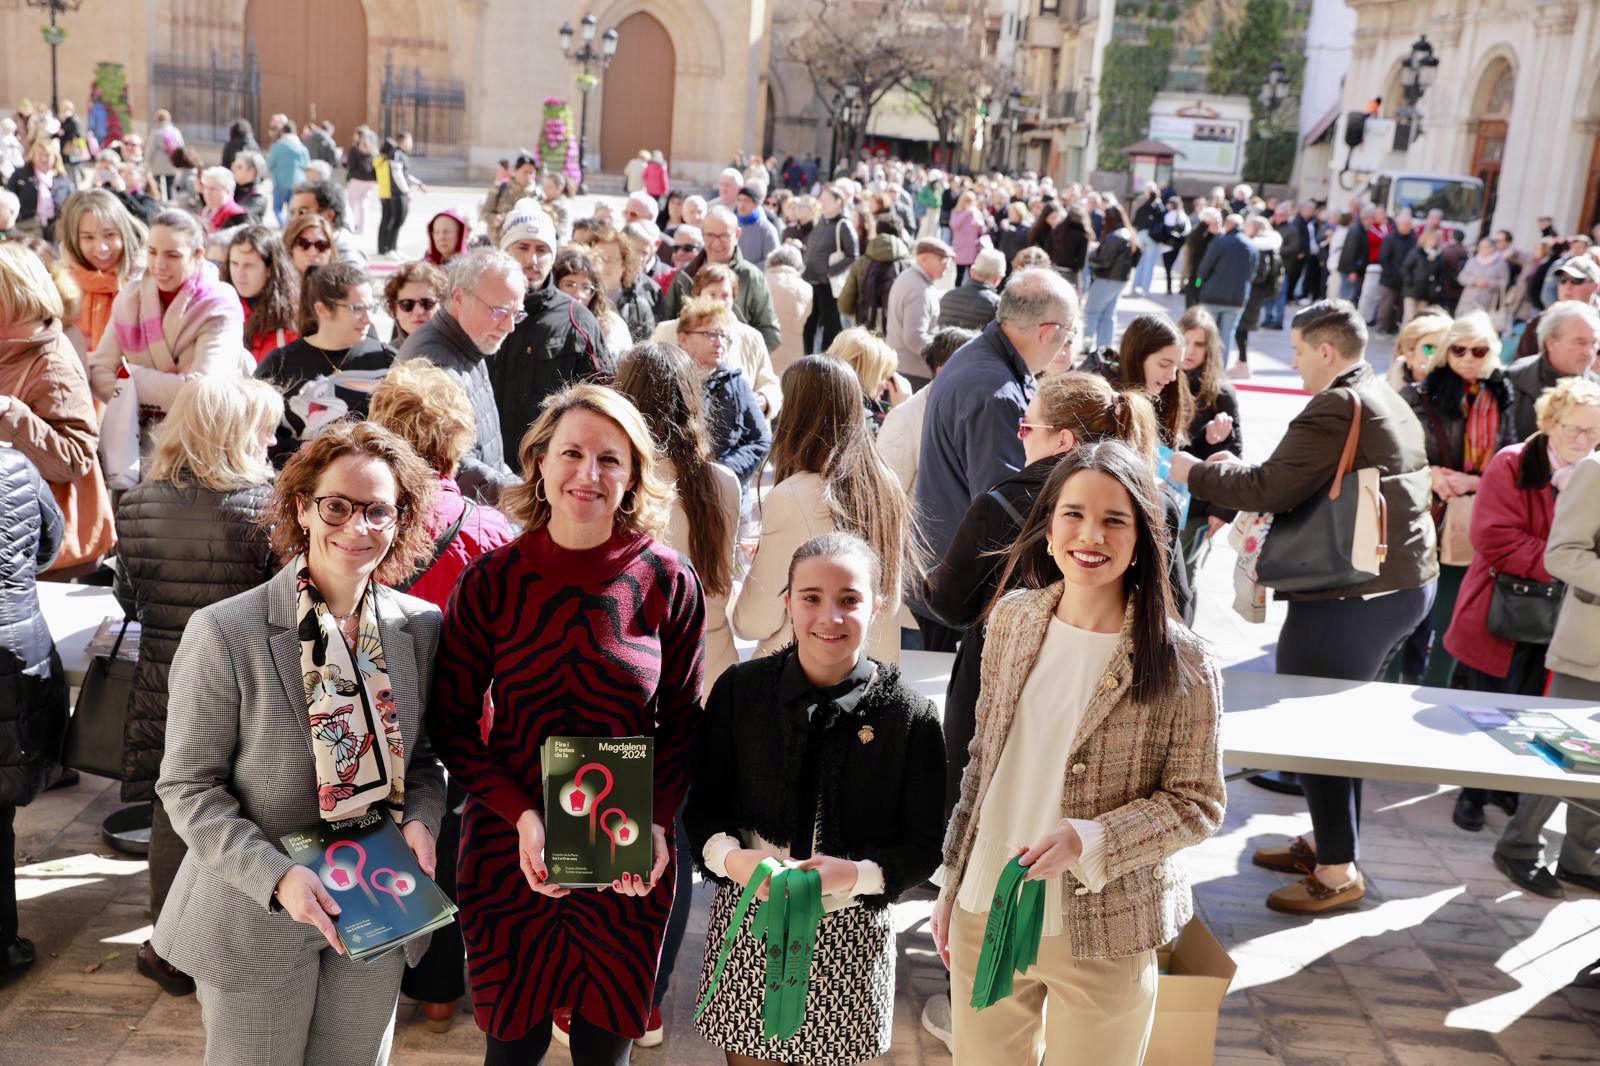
(1483, 427)
(99, 294)
(139, 322)
(355, 730)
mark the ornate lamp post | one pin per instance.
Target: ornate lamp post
(1417, 73)
(1273, 92)
(584, 58)
(53, 36)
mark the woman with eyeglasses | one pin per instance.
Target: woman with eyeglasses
(310, 242)
(1418, 346)
(1465, 405)
(269, 289)
(412, 293)
(577, 272)
(297, 703)
(740, 435)
(331, 370)
(1511, 525)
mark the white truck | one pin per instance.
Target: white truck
(1458, 196)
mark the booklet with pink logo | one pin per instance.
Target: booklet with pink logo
(597, 806)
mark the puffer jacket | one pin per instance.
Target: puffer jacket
(557, 345)
(739, 433)
(864, 301)
(33, 685)
(970, 305)
(182, 548)
(637, 306)
(442, 342)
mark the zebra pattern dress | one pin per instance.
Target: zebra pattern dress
(602, 642)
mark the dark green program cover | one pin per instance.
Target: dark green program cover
(597, 803)
(384, 897)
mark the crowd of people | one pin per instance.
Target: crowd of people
(593, 450)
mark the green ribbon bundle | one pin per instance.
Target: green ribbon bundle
(1010, 937)
(788, 922)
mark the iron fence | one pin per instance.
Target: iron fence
(206, 93)
(433, 109)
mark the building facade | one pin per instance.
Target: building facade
(1516, 102)
(467, 77)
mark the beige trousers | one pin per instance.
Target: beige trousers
(1093, 1012)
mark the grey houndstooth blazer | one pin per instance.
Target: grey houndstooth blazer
(238, 774)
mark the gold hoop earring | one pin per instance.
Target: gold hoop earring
(629, 497)
(1049, 549)
(538, 491)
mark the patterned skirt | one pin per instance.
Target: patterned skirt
(849, 1007)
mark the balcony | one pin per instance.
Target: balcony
(1068, 105)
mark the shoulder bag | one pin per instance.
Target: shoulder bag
(835, 257)
(1524, 610)
(97, 735)
(1333, 540)
(439, 545)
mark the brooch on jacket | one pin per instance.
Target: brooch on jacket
(865, 734)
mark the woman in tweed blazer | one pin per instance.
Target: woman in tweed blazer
(244, 763)
(1096, 758)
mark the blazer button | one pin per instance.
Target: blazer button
(1159, 874)
(1109, 682)
(1080, 891)
(1078, 768)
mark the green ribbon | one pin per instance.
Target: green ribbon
(1011, 935)
(788, 922)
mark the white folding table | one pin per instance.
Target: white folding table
(73, 613)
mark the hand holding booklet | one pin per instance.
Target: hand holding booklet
(365, 864)
(598, 796)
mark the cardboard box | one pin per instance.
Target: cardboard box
(1195, 974)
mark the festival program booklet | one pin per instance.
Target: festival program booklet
(384, 898)
(1516, 730)
(597, 802)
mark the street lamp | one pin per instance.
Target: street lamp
(584, 58)
(844, 110)
(53, 36)
(1274, 90)
(1417, 73)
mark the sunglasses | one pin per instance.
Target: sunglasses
(337, 510)
(1477, 351)
(1025, 428)
(408, 305)
(685, 249)
(311, 246)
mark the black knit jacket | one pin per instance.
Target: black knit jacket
(873, 774)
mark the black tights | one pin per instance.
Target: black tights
(591, 1046)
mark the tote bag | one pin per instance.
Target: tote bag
(97, 735)
(1455, 531)
(1335, 539)
(835, 257)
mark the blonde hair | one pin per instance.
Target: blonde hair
(27, 292)
(703, 311)
(868, 355)
(429, 410)
(54, 148)
(103, 205)
(1472, 327)
(212, 432)
(1555, 402)
(1424, 324)
(528, 504)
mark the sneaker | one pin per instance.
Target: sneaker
(936, 1020)
(561, 1030)
(1310, 896)
(654, 1030)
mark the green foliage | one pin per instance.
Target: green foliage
(1131, 76)
(111, 79)
(1241, 54)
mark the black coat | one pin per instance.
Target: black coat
(1422, 276)
(868, 775)
(1437, 401)
(1354, 257)
(963, 583)
(33, 684)
(178, 550)
(637, 306)
(1069, 246)
(1392, 257)
(1113, 257)
(557, 345)
(1227, 402)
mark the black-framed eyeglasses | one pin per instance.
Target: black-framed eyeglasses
(408, 305)
(500, 314)
(337, 510)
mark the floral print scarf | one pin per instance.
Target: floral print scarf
(355, 731)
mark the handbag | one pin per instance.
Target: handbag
(97, 735)
(835, 257)
(1333, 540)
(1455, 531)
(1524, 610)
(119, 433)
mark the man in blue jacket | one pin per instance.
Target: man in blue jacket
(969, 433)
(1224, 277)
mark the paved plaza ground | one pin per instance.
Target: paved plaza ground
(1445, 964)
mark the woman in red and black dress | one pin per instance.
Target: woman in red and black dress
(585, 625)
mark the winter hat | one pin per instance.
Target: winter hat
(528, 222)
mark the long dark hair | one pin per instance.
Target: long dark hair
(1146, 335)
(1210, 382)
(658, 378)
(1157, 669)
(831, 440)
(327, 285)
(1112, 220)
(273, 308)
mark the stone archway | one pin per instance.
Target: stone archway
(1491, 117)
(640, 83)
(311, 75)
